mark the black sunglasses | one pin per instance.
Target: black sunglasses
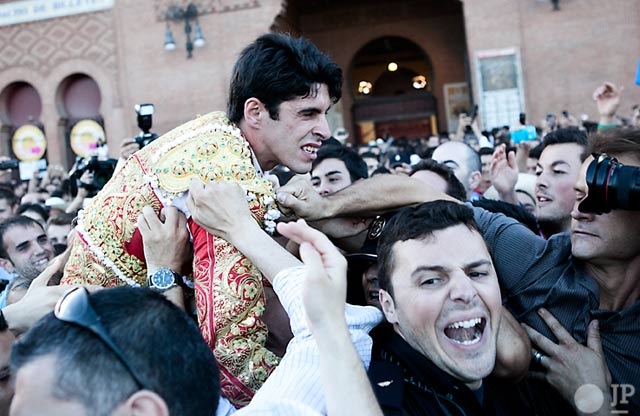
(75, 308)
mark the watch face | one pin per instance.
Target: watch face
(163, 279)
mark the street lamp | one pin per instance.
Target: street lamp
(177, 14)
(169, 43)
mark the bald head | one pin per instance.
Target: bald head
(463, 160)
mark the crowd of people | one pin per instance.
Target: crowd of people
(248, 262)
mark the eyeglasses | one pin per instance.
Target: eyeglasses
(75, 308)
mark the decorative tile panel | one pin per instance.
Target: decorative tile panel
(44, 44)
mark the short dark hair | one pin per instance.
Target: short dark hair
(486, 151)
(418, 223)
(381, 170)
(277, 68)
(8, 224)
(8, 195)
(564, 136)
(162, 343)
(535, 152)
(61, 219)
(455, 188)
(370, 155)
(354, 163)
(39, 209)
(616, 142)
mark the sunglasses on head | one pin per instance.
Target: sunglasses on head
(75, 308)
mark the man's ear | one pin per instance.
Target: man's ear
(6, 264)
(388, 306)
(254, 112)
(143, 403)
(474, 180)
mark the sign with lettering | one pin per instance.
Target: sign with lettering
(499, 86)
(15, 12)
(29, 143)
(85, 138)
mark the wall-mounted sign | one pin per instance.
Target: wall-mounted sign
(500, 92)
(14, 12)
(456, 101)
(86, 136)
(29, 143)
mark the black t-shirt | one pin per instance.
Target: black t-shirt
(407, 383)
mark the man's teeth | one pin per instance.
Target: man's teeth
(467, 332)
(41, 262)
(310, 149)
(465, 324)
(469, 342)
(543, 199)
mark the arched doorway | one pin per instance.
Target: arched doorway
(391, 81)
(21, 104)
(78, 98)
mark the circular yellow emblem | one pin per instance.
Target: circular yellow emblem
(85, 137)
(29, 143)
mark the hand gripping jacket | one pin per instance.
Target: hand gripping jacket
(108, 249)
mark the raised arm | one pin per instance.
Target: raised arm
(40, 298)
(504, 174)
(367, 197)
(607, 97)
(232, 221)
(222, 210)
(513, 349)
(228, 277)
(345, 383)
(166, 245)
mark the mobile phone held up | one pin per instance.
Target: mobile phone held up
(525, 134)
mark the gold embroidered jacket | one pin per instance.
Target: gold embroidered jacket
(228, 288)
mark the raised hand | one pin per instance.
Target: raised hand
(220, 208)
(325, 290)
(299, 198)
(165, 238)
(504, 174)
(127, 148)
(40, 298)
(607, 97)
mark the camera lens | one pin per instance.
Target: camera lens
(624, 187)
(612, 185)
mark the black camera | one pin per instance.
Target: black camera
(612, 185)
(522, 119)
(9, 164)
(145, 121)
(472, 115)
(102, 171)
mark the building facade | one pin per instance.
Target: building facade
(66, 61)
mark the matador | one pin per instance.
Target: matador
(281, 90)
(228, 288)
